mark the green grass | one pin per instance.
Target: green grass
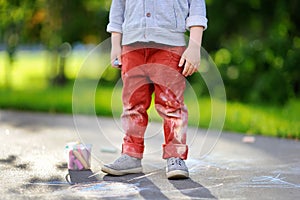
(30, 90)
(242, 118)
(265, 119)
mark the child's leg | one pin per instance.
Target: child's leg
(136, 97)
(169, 100)
(175, 118)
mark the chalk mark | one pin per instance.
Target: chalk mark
(271, 181)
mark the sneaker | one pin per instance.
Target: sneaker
(123, 165)
(176, 169)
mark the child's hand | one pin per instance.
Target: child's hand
(190, 60)
(116, 52)
(116, 49)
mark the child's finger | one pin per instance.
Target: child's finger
(190, 70)
(185, 71)
(181, 62)
(194, 70)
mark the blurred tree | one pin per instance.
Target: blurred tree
(254, 43)
(52, 24)
(12, 15)
(71, 21)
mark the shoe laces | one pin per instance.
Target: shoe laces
(174, 161)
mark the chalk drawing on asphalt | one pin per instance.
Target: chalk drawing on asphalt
(271, 182)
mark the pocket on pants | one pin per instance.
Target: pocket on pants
(175, 54)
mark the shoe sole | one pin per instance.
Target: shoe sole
(177, 174)
(121, 172)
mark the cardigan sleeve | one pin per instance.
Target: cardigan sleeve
(116, 16)
(197, 14)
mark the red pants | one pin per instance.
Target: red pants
(148, 68)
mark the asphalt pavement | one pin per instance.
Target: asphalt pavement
(33, 162)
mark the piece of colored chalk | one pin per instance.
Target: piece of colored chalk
(81, 159)
(78, 164)
(116, 63)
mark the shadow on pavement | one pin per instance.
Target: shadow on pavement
(51, 184)
(192, 189)
(147, 188)
(83, 176)
(12, 160)
(9, 160)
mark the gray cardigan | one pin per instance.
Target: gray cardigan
(160, 21)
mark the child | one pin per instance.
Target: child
(149, 43)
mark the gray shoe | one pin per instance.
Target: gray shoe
(176, 169)
(123, 165)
